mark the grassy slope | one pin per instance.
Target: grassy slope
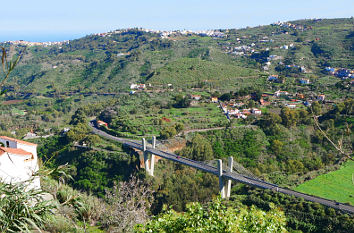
(193, 70)
(328, 185)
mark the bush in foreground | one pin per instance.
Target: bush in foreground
(216, 217)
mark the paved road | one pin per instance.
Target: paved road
(227, 175)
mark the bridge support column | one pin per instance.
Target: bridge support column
(228, 187)
(146, 157)
(152, 162)
(221, 181)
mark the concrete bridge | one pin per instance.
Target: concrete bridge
(225, 176)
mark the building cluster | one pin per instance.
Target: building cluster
(342, 73)
(232, 110)
(29, 43)
(236, 108)
(242, 50)
(302, 69)
(168, 34)
(292, 26)
(210, 33)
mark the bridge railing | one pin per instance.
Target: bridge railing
(225, 175)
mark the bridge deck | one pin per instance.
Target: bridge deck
(226, 174)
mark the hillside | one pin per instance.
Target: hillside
(123, 57)
(269, 96)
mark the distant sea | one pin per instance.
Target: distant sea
(41, 37)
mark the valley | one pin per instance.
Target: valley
(277, 98)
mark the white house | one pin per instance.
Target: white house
(133, 86)
(233, 111)
(137, 86)
(196, 97)
(256, 111)
(279, 93)
(18, 161)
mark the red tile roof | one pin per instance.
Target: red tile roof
(15, 151)
(18, 141)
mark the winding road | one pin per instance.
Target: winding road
(226, 174)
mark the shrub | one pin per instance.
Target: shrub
(20, 210)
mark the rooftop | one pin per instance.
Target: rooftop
(15, 151)
(18, 141)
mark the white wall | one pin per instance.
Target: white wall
(13, 144)
(29, 148)
(14, 168)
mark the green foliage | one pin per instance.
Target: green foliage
(270, 120)
(183, 185)
(289, 117)
(97, 171)
(20, 210)
(198, 149)
(79, 117)
(216, 217)
(168, 131)
(182, 101)
(77, 133)
(185, 72)
(225, 97)
(202, 53)
(301, 215)
(327, 185)
(316, 108)
(245, 144)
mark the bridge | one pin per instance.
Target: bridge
(225, 176)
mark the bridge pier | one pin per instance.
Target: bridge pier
(228, 188)
(225, 189)
(221, 180)
(149, 169)
(152, 162)
(146, 156)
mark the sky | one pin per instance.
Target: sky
(46, 20)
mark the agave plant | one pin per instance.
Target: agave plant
(22, 209)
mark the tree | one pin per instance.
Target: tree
(182, 101)
(198, 149)
(257, 95)
(216, 217)
(289, 117)
(179, 127)
(77, 133)
(269, 120)
(167, 132)
(91, 139)
(128, 204)
(316, 108)
(225, 97)
(251, 104)
(276, 146)
(78, 117)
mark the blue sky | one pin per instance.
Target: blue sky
(45, 20)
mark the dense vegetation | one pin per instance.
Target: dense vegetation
(55, 90)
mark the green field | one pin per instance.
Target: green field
(337, 185)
